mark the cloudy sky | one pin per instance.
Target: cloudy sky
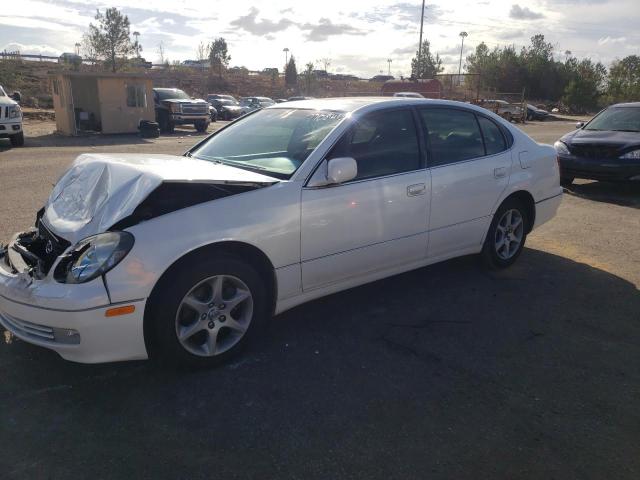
(357, 35)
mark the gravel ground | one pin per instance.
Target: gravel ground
(444, 372)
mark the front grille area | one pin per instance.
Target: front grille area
(54, 246)
(195, 108)
(594, 151)
(39, 333)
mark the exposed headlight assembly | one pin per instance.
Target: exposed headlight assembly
(561, 148)
(94, 256)
(632, 155)
(15, 111)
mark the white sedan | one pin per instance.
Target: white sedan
(186, 257)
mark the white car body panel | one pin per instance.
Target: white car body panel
(318, 240)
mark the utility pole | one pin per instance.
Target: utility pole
(286, 57)
(78, 48)
(420, 44)
(462, 35)
(389, 62)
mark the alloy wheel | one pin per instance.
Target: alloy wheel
(509, 234)
(214, 315)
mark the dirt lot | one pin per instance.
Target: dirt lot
(445, 372)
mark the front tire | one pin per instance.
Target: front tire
(17, 140)
(566, 181)
(201, 125)
(205, 311)
(506, 236)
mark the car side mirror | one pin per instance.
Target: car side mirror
(579, 124)
(341, 169)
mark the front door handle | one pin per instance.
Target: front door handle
(500, 172)
(417, 189)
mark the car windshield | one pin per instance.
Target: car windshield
(224, 101)
(274, 142)
(617, 119)
(172, 93)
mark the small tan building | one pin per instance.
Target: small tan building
(101, 102)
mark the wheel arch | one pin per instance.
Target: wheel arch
(527, 201)
(245, 251)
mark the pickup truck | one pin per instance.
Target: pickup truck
(174, 107)
(508, 111)
(10, 119)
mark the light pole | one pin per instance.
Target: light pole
(462, 35)
(286, 56)
(389, 62)
(78, 48)
(420, 43)
(137, 45)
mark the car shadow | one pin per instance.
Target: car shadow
(541, 356)
(626, 194)
(98, 140)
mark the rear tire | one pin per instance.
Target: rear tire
(506, 236)
(212, 328)
(17, 140)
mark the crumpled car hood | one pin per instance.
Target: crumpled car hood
(101, 189)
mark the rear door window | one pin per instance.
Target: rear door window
(494, 141)
(454, 135)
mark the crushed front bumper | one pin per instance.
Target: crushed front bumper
(69, 319)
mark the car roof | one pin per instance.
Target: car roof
(626, 105)
(353, 104)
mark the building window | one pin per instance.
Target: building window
(136, 96)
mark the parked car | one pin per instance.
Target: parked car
(174, 107)
(227, 108)
(186, 257)
(535, 113)
(408, 95)
(249, 104)
(506, 110)
(606, 148)
(11, 118)
(213, 113)
(298, 98)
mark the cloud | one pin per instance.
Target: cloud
(611, 41)
(524, 13)
(249, 23)
(31, 49)
(408, 50)
(509, 34)
(325, 28)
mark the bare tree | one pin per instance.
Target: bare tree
(202, 52)
(160, 51)
(325, 62)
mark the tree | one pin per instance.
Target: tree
(291, 73)
(163, 60)
(309, 76)
(219, 55)
(429, 65)
(202, 52)
(624, 80)
(325, 62)
(110, 37)
(583, 91)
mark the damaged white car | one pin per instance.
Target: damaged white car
(185, 257)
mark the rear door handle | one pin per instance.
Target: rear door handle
(417, 189)
(500, 172)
